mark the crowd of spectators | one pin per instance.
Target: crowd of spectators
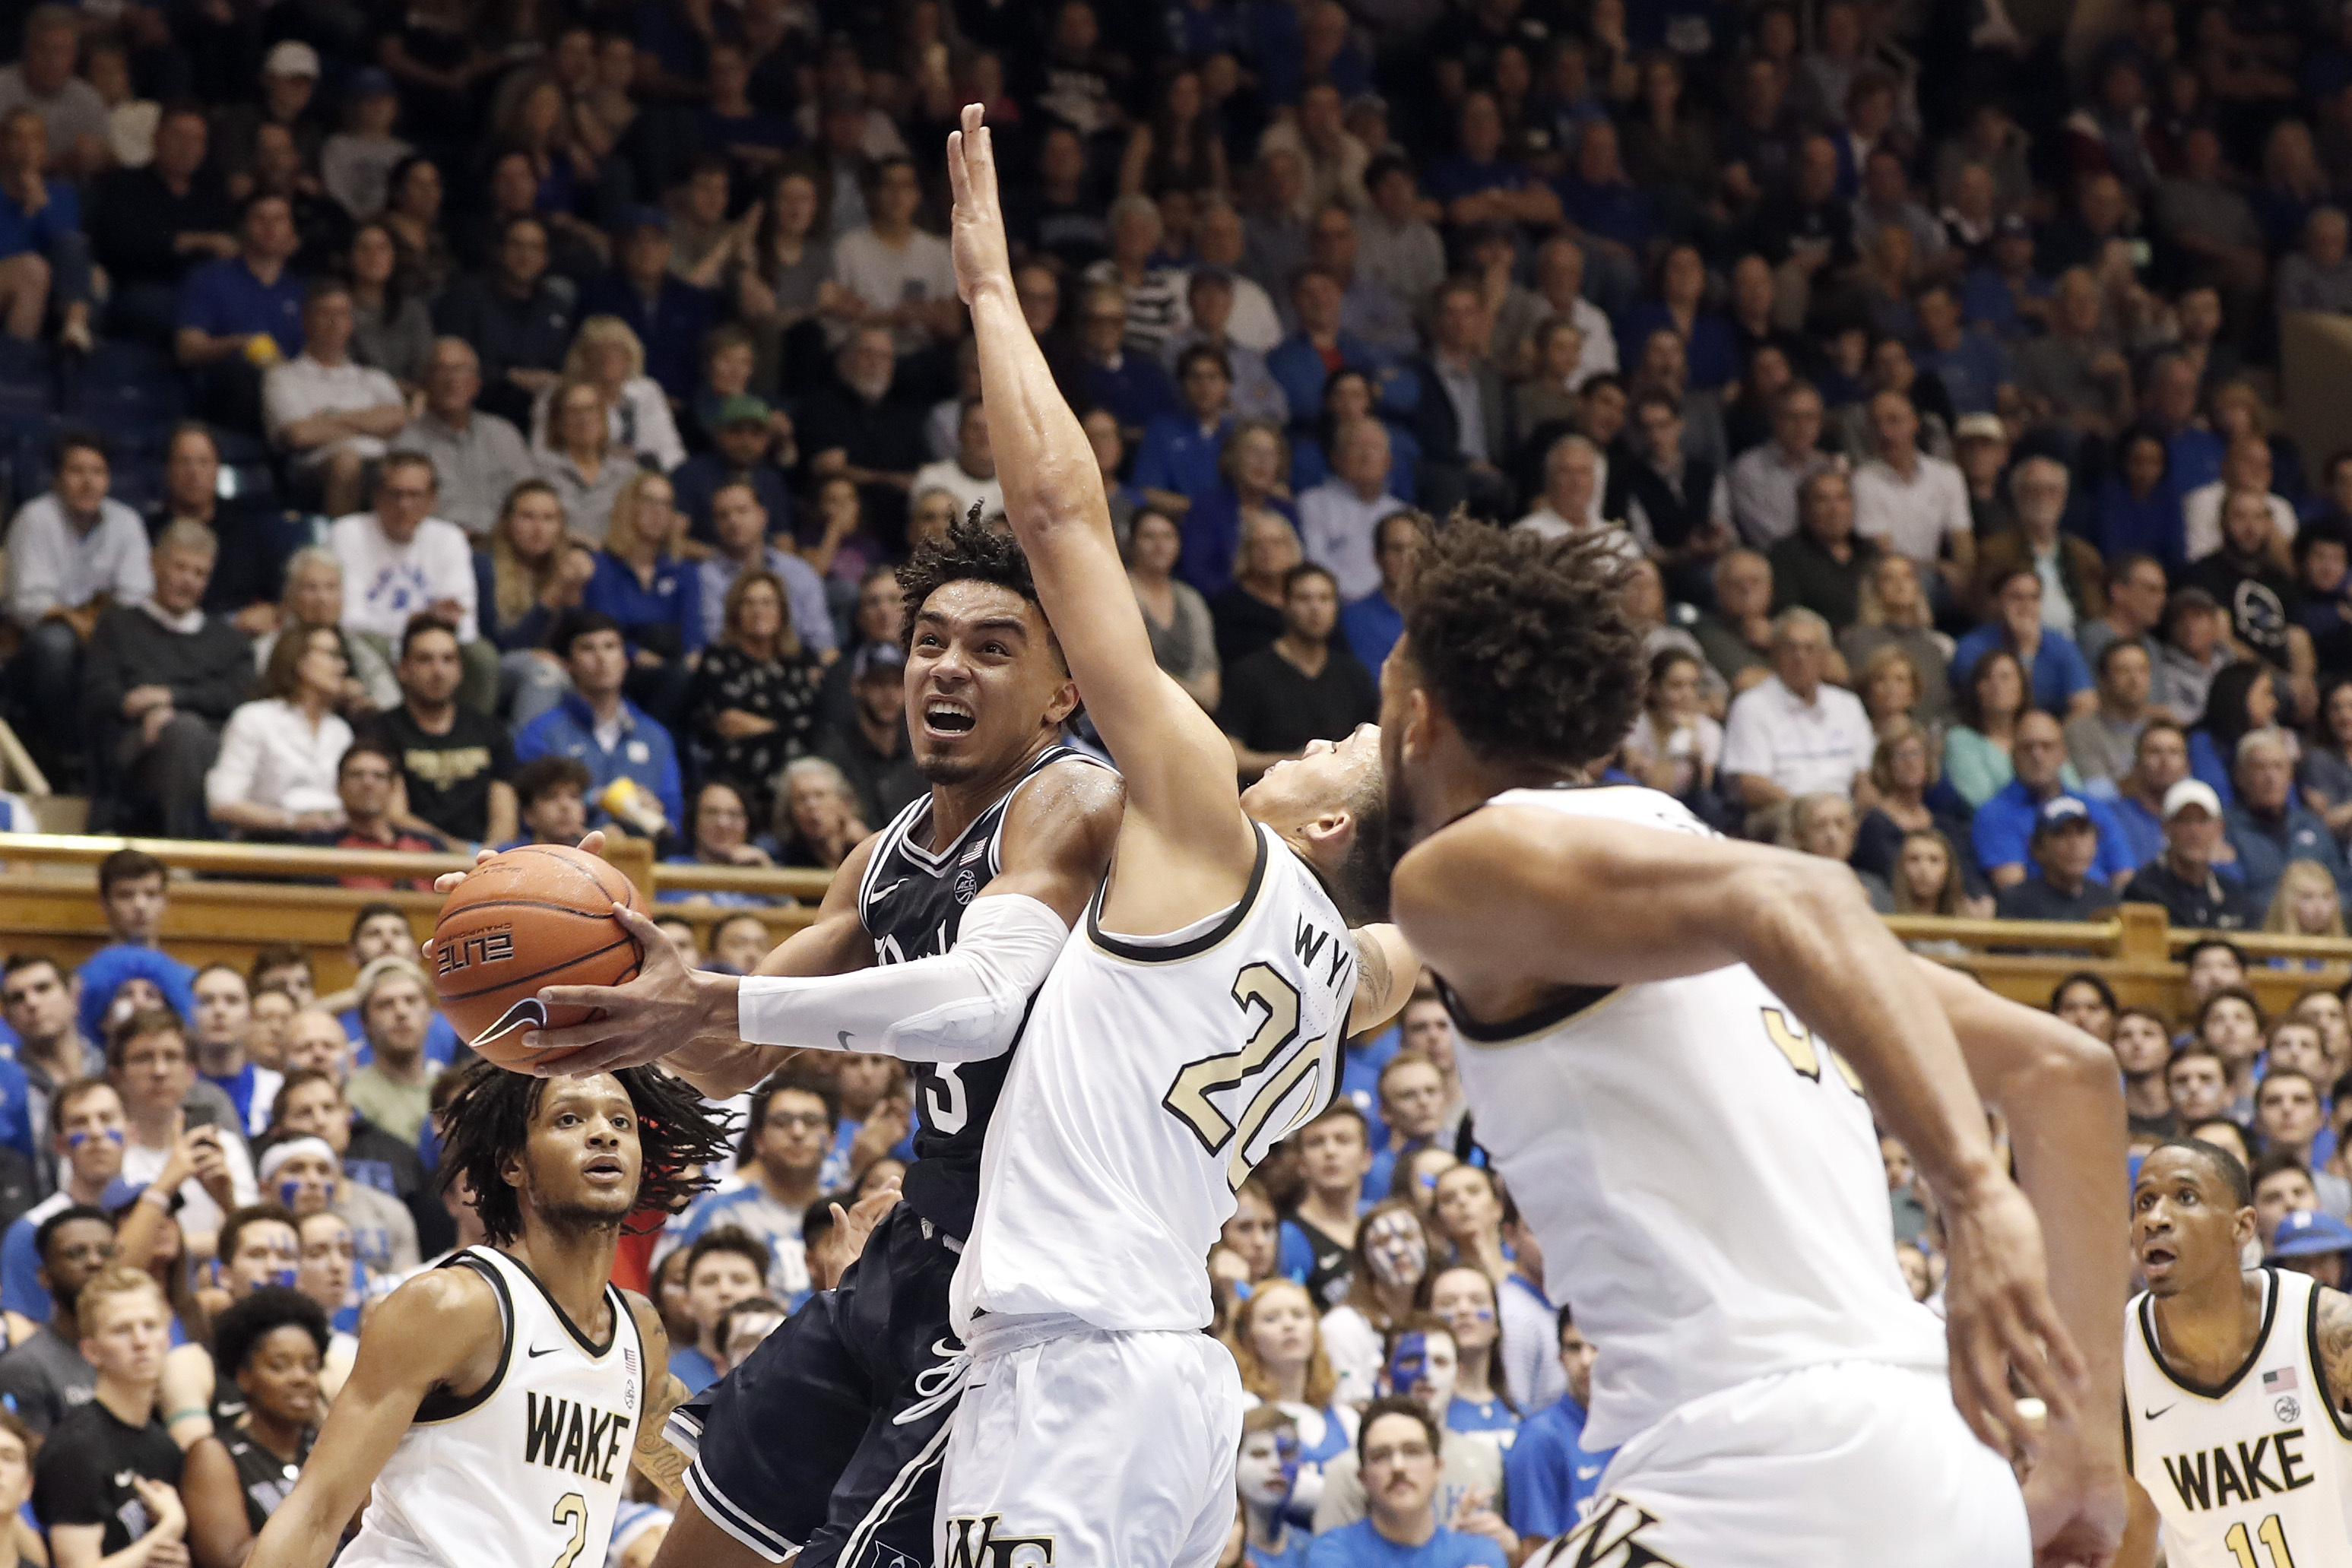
(476, 424)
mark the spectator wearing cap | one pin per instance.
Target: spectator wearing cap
(743, 446)
(613, 738)
(2065, 845)
(872, 749)
(668, 314)
(1791, 733)
(477, 457)
(2182, 879)
(2311, 1242)
(2059, 680)
(970, 476)
(741, 525)
(2073, 580)
(2004, 826)
(395, 1088)
(2268, 824)
(331, 415)
(2003, 293)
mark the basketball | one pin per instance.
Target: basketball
(538, 915)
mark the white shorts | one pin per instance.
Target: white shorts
(1852, 1465)
(1086, 1448)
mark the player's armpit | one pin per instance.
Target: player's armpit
(441, 1330)
(1386, 972)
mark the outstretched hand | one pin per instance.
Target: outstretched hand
(664, 1009)
(976, 229)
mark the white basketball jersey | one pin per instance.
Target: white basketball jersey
(2258, 1472)
(1701, 1170)
(1154, 1073)
(528, 1472)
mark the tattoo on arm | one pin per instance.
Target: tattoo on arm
(653, 1456)
(2335, 1347)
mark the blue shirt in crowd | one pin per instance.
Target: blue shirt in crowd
(1549, 1475)
(2003, 830)
(1178, 456)
(2058, 670)
(671, 606)
(224, 299)
(1358, 1545)
(643, 752)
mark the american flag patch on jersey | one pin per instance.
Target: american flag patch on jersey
(2282, 1381)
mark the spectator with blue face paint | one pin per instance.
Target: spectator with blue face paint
(1423, 1365)
(1390, 1258)
(305, 1175)
(1279, 1350)
(86, 1129)
(1266, 1472)
(1463, 1297)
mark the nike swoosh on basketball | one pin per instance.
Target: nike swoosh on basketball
(550, 1350)
(2152, 1415)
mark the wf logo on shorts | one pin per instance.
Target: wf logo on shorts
(974, 1543)
(1611, 1538)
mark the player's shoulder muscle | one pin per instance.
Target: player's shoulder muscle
(650, 1332)
(1072, 805)
(443, 1326)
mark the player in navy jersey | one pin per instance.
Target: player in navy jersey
(931, 941)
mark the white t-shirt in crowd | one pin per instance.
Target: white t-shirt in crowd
(1803, 748)
(1912, 517)
(385, 584)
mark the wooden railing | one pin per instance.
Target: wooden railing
(233, 897)
(236, 897)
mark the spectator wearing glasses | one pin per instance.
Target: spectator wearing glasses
(790, 1127)
(1397, 1451)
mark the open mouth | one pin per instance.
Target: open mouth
(944, 715)
(2156, 1259)
(606, 1170)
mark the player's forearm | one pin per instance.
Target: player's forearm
(303, 1532)
(1812, 938)
(2064, 1105)
(1044, 459)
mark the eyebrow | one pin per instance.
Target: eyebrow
(985, 623)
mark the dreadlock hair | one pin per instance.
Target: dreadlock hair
(1524, 643)
(2224, 1163)
(488, 1123)
(969, 552)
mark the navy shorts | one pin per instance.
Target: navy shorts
(802, 1447)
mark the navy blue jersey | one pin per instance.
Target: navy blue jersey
(911, 902)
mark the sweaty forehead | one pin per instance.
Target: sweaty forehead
(962, 605)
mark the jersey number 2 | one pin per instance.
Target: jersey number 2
(1257, 986)
(571, 1509)
(2271, 1533)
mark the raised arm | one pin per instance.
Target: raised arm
(2057, 1088)
(1510, 905)
(1179, 768)
(442, 1330)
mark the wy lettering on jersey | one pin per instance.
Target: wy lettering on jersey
(1701, 1170)
(911, 902)
(529, 1469)
(1154, 1073)
(2257, 1471)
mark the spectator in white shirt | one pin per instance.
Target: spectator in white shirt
(2245, 466)
(1574, 475)
(1219, 241)
(891, 273)
(1792, 734)
(1911, 503)
(1764, 479)
(275, 776)
(69, 554)
(400, 560)
(332, 416)
(1560, 278)
(1338, 519)
(970, 474)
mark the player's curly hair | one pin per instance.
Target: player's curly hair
(1524, 643)
(488, 1123)
(970, 551)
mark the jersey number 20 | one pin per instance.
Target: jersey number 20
(1257, 986)
(1804, 1048)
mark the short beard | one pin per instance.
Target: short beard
(580, 1219)
(946, 769)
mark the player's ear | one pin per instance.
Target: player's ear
(2244, 1229)
(1065, 703)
